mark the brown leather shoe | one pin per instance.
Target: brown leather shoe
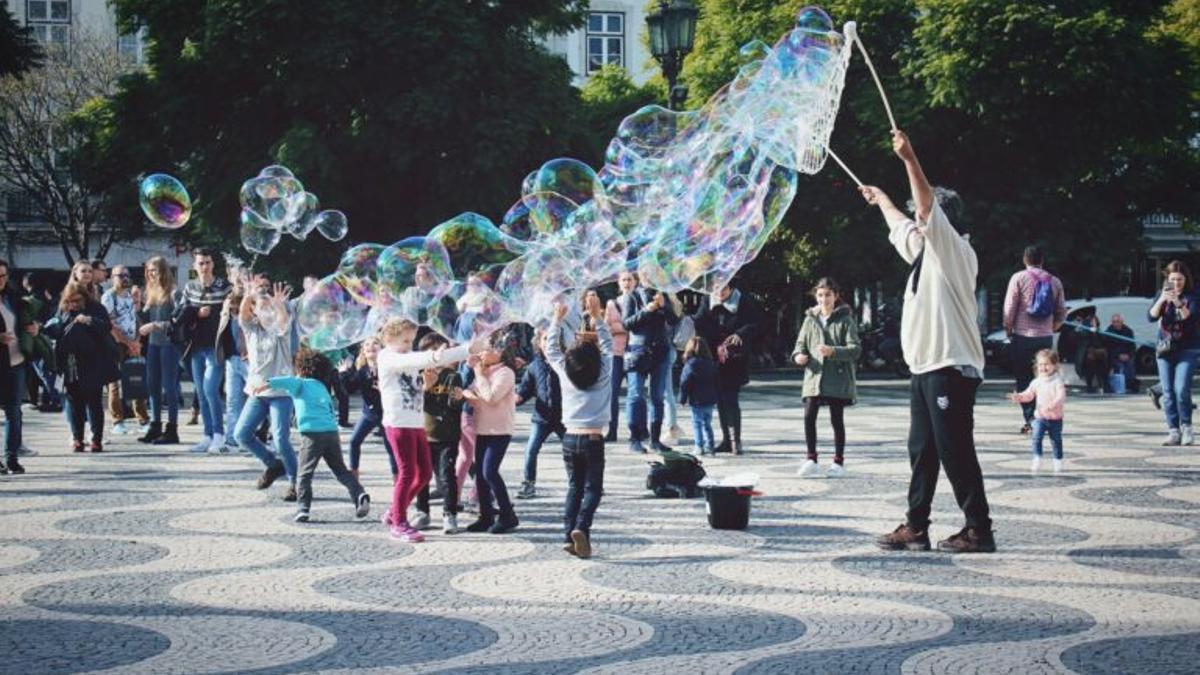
(969, 540)
(904, 538)
(583, 544)
(270, 474)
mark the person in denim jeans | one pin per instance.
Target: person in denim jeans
(199, 314)
(1175, 310)
(648, 318)
(585, 372)
(162, 354)
(363, 377)
(540, 384)
(269, 351)
(231, 349)
(698, 388)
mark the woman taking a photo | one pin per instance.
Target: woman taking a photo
(1178, 349)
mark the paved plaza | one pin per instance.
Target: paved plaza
(149, 560)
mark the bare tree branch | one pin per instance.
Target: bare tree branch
(35, 133)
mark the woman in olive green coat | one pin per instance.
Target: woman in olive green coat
(827, 349)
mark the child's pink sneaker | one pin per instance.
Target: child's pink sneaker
(406, 534)
(386, 518)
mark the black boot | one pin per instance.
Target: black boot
(168, 437)
(736, 447)
(725, 445)
(655, 434)
(154, 432)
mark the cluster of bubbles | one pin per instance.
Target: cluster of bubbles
(275, 202)
(165, 201)
(685, 199)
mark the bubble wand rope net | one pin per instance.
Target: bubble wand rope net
(851, 30)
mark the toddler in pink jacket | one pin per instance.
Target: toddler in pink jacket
(1050, 393)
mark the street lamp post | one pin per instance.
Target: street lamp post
(672, 33)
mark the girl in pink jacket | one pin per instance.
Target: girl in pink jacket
(1051, 393)
(494, 397)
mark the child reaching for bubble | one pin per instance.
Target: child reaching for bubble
(401, 388)
(1050, 392)
(317, 419)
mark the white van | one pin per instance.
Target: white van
(1133, 309)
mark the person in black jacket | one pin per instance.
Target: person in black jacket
(443, 399)
(649, 318)
(85, 354)
(539, 383)
(17, 332)
(363, 377)
(1121, 352)
(730, 321)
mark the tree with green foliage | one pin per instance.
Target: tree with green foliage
(608, 96)
(400, 114)
(1062, 123)
(19, 50)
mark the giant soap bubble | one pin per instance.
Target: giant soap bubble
(686, 198)
(165, 201)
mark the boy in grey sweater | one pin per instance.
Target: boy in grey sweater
(585, 374)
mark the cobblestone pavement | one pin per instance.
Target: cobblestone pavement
(152, 560)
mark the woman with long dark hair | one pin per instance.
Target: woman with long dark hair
(85, 358)
(1178, 349)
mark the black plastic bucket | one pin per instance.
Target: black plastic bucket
(728, 507)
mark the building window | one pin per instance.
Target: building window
(132, 46)
(605, 40)
(50, 21)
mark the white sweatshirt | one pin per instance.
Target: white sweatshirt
(938, 328)
(401, 387)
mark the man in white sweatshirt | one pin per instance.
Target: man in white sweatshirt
(942, 347)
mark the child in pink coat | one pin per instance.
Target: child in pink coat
(1051, 394)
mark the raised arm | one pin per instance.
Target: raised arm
(922, 191)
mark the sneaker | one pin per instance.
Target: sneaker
(1035, 464)
(969, 540)
(810, 469)
(77, 446)
(450, 523)
(14, 467)
(637, 447)
(701, 450)
(143, 427)
(119, 428)
(24, 451)
(97, 446)
(1173, 438)
(904, 538)
(504, 525)
(527, 491)
(289, 495)
(712, 451)
(835, 470)
(301, 517)
(404, 533)
(1025, 429)
(386, 518)
(582, 544)
(363, 506)
(421, 521)
(1058, 466)
(270, 474)
(481, 525)
(1187, 436)
(202, 445)
(217, 446)
(569, 547)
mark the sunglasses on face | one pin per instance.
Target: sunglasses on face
(122, 276)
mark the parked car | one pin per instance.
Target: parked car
(1134, 309)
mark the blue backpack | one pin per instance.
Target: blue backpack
(1042, 304)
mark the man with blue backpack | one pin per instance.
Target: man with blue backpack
(1034, 309)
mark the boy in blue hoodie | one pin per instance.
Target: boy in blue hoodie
(539, 383)
(317, 419)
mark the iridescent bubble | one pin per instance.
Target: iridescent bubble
(814, 19)
(276, 171)
(358, 272)
(415, 271)
(332, 225)
(165, 201)
(569, 178)
(305, 217)
(329, 316)
(474, 244)
(258, 236)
